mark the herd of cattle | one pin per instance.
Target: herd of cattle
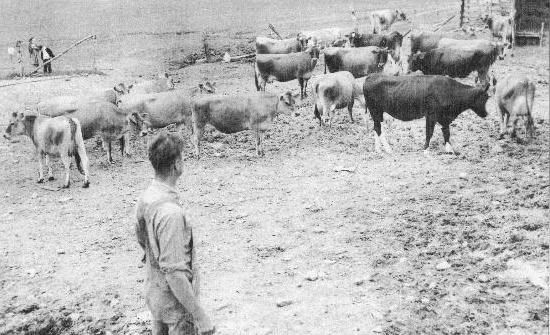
(405, 84)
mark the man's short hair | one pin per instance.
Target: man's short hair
(164, 151)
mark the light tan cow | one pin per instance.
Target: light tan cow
(59, 136)
(162, 84)
(235, 113)
(334, 91)
(514, 97)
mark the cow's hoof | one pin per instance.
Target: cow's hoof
(50, 178)
(40, 181)
(86, 184)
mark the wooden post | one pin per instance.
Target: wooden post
(541, 34)
(462, 13)
(275, 31)
(205, 46)
(61, 54)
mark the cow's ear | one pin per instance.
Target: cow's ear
(14, 114)
(21, 116)
(201, 86)
(130, 87)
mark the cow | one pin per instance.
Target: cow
(286, 67)
(162, 84)
(458, 58)
(502, 27)
(236, 113)
(514, 97)
(383, 19)
(393, 41)
(59, 136)
(265, 45)
(334, 91)
(437, 98)
(105, 119)
(159, 110)
(59, 105)
(358, 61)
(424, 41)
(323, 38)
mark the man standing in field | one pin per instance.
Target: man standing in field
(167, 239)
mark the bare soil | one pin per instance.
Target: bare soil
(349, 241)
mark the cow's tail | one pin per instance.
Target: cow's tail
(256, 73)
(77, 143)
(325, 59)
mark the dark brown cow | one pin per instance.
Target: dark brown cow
(458, 58)
(393, 41)
(440, 99)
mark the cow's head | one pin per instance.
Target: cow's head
(138, 123)
(392, 68)
(313, 52)
(120, 90)
(400, 15)
(287, 100)
(18, 125)
(480, 98)
(416, 61)
(382, 56)
(501, 49)
(304, 41)
(394, 41)
(169, 80)
(208, 87)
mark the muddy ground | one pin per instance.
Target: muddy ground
(350, 241)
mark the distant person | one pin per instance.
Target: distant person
(166, 236)
(19, 57)
(33, 52)
(46, 54)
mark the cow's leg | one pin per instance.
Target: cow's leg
(503, 124)
(125, 144)
(305, 87)
(301, 82)
(66, 160)
(515, 120)
(259, 142)
(317, 114)
(446, 138)
(430, 125)
(49, 166)
(483, 75)
(84, 163)
(377, 133)
(121, 143)
(350, 109)
(109, 153)
(40, 168)
(196, 137)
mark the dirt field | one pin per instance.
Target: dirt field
(352, 241)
